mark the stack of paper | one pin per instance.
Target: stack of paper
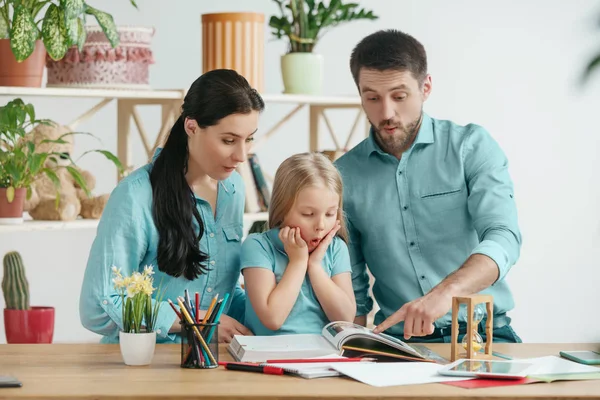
(311, 370)
(392, 374)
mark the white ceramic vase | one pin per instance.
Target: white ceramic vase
(302, 73)
(137, 348)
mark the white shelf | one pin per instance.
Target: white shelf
(99, 93)
(166, 94)
(30, 225)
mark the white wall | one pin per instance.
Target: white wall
(510, 66)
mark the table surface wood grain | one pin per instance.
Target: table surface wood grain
(96, 371)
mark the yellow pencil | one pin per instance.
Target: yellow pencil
(210, 309)
(198, 335)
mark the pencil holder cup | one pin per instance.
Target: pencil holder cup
(199, 345)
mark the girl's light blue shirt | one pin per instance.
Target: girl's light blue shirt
(266, 250)
(128, 239)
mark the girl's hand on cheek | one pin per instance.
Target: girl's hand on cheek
(294, 245)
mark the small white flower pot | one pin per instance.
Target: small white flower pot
(302, 73)
(137, 348)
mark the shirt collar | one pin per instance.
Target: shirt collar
(424, 136)
(273, 235)
(227, 184)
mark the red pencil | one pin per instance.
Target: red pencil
(318, 360)
(174, 309)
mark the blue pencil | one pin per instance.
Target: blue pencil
(217, 317)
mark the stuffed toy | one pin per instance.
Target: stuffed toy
(73, 201)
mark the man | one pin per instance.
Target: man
(429, 203)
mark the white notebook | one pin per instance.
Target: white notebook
(310, 370)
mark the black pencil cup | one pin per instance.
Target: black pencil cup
(199, 345)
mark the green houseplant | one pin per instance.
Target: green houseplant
(21, 161)
(31, 28)
(304, 22)
(23, 323)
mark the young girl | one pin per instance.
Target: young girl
(297, 274)
(181, 213)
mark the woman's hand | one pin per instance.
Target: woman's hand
(228, 327)
(295, 247)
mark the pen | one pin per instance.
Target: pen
(319, 360)
(252, 368)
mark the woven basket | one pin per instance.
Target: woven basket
(98, 65)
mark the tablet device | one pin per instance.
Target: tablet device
(488, 369)
(582, 356)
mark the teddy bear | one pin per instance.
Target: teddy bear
(73, 201)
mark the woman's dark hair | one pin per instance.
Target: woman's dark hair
(212, 97)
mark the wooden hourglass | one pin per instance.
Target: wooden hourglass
(471, 302)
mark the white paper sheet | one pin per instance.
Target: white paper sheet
(553, 365)
(395, 373)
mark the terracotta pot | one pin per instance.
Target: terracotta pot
(26, 73)
(35, 325)
(12, 213)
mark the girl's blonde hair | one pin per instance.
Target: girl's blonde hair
(298, 172)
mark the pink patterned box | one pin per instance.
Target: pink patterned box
(98, 65)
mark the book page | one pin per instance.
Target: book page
(340, 332)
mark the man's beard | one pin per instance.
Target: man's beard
(401, 139)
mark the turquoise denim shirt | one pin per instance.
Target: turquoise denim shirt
(128, 239)
(414, 221)
(266, 250)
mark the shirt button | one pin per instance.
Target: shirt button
(211, 234)
(105, 302)
(212, 262)
(422, 276)
(405, 207)
(209, 289)
(399, 172)
(158, 331)
(412, 243)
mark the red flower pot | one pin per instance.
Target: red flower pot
(35, 325)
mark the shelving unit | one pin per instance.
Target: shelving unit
(170, 101)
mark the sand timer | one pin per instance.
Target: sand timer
(475, 311)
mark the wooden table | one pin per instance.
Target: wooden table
(97, 371)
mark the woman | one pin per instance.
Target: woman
(182, 213)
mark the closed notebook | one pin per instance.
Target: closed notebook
(310, 370)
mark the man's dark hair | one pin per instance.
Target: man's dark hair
(389, 50)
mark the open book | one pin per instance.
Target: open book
(343, 338)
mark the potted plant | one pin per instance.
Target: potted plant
(22, 323)
(25, 39)
(21, 163)
(304, 22)
(137, 338)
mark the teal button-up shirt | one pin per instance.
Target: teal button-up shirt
(266, 250)
(414, 221)
(128, 239)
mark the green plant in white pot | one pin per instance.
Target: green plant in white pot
(304, 22)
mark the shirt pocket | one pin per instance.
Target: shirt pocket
(232, 235)
(446, 208)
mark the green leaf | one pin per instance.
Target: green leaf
(73, 8)
(23, 34)
(106, 23)
(133, 3)
(594, 63)
(54, 33)
(78, 179)
(30, 111)
(81, 34)
(29, 193)
(110, 156)
(4, 30)
(10, 194)
(72, 26)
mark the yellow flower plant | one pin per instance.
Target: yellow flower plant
(139, 315)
